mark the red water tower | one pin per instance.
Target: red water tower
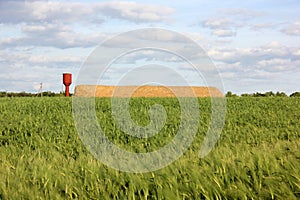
(67, 80)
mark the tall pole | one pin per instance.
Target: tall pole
(41, 89)
(67, 91)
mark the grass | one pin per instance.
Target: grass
(256, 157)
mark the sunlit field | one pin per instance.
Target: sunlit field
(257, 155)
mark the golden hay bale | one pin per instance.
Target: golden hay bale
(145, 91)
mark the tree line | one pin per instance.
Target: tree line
(266, 94)
(228, 94)
(27, 94)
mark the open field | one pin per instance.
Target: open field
(257, 155)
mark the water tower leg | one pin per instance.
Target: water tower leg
(67, 91)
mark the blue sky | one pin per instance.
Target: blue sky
(255, 45)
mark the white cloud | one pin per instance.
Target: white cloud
(224, 33)
(296, 53)
(261, 26)
(292, 29)
(7, 41)
(222, 54)
(243, 14)
(222, 41)
(217, 23)
(54, 59)
(251, 55)
(52, 35)
(27, 77)
(43, 11)
(22, 72)
(272, 66)
(228, 21)
(18, 60)
(221, 27)
(48, 23)
(133, 11)
(277, 65)
(195, 36)
(50, 11)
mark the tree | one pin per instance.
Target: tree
(230, 94)
(280, 94)
(269, 94)
(295, 94)
(258, 94)
(246, 95)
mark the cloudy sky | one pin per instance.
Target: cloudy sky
(254, 44)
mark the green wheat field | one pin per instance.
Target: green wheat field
(256, 157)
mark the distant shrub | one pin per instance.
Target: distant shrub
(280, 94)
(266, 94)
(230, 94)
(295, 94)
(27, 94)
